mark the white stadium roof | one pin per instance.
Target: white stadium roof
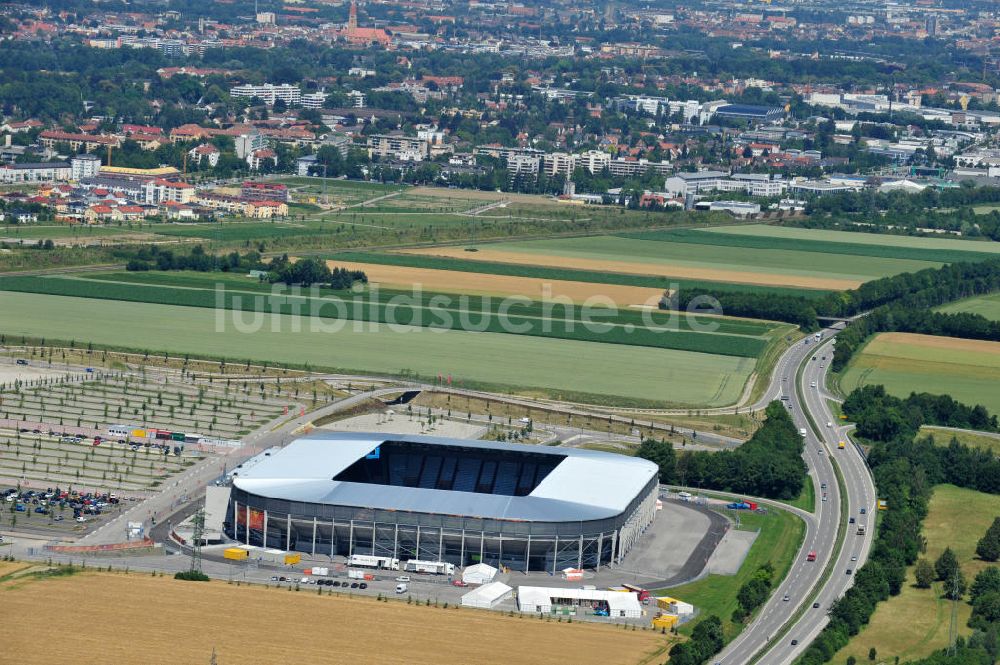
(584, 485)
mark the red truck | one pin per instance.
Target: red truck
(638, 590)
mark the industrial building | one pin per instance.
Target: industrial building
(527, 508)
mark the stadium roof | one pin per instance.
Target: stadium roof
(584, 485)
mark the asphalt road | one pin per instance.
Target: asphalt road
(761, 637)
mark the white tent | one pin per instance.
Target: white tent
(479, 573)
(487, 596)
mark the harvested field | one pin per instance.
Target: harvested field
(484, 284)
(311, 628)
(663, 269)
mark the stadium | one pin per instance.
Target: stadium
(529, 508)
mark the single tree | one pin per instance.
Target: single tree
(946, 564)
(988, 547)
(924, 574)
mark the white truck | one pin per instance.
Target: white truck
(320, 572)
(356, 574)
(369, 561)
(435, 567)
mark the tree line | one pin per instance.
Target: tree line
(769, 464)
(279, 270)
(883, 417)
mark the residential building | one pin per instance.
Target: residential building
(39, 172)
(159, 190)
(268, 93)
(264, 191)
(88, 142)
(247, 144)
(403, 148)
(84, 166)
(314, 100)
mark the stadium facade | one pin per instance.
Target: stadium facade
(530, 508)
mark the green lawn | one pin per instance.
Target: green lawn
(806, 500)
(778, 542)
(986, 305)
(769, 261)
(915, 623)
(606, 372)
(968, 371)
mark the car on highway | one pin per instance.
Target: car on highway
(795, 643)
(403, 578)
(812, 384)
(864, 510)
(822, 486)
(849, 571)
(786, 598)
(824, 497)
(363, 585)
(815, 606)
(854, 558)
(850, 521)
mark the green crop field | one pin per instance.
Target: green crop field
(915, 623)
(548, 272)
(857, 238)
(607, 372)
(779, 537)
(986, 305)
(731, 337)
(967, 370)
(762, 240)
(779, 262)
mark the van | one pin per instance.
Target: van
(401, 588)
(403, 578)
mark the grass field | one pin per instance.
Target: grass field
(968, 370)
(549, 366)
(736, 263)
(880, 240)
(779, 539)
(986, 305)
(760, 237)
(260, 625)
(943, 437)
(915, 623)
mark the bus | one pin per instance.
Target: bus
(811, 556)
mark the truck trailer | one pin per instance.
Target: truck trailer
(435, 567)
(369, 561)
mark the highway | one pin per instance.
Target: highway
(763, 638)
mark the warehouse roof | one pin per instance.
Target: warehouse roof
(582, 484)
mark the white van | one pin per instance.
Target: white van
(401, 588)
